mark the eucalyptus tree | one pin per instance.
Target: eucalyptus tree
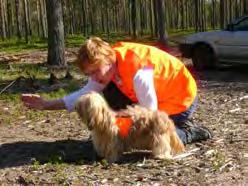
(56, 46)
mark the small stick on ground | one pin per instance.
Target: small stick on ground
(12, 83)
(9, 85)
(184, 155)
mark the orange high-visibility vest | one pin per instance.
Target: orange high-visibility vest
(124, 124)
(174, 85)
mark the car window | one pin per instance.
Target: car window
(241, 26)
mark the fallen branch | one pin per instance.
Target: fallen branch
(236, 99)
(240, 139)
(9, 85)
(229, 163)
(234, 110)
(184, 155)
(244, 97)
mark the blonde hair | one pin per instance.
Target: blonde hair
(95, 52)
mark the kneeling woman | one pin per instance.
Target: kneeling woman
(130, 73)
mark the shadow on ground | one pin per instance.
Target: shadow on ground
(223, 74)
(69, 151)
(65, 151)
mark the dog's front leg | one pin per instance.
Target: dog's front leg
(112, 157)
(113, 151)
(99, 148)
(162, 149)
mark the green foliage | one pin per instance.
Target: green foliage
(74, 40)
(14, 45)
(174, 32)
(218, 160)
(66, 183)
(56, 159)
(11, 106)
(35, 164)
(104, 163)
(13, 71)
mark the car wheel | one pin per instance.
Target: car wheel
(203, 57)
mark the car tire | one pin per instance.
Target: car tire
(203, 57)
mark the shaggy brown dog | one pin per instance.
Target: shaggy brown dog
(144, 129)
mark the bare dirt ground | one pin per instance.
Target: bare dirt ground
(51, 148)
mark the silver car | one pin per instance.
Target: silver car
(207, 49)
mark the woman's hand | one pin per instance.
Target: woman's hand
(34, 101)
(122, 114)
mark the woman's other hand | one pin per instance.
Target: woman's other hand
(33, 101)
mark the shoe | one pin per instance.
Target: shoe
(194, 133)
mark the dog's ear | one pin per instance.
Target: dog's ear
(93, 110)
(82, 108)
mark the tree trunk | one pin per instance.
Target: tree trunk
(56, 47)
(102, 17)
(177, 14)
(236, 9)
(161, 22)
(129, 19)
(115, 9)
(17, 14)
(92, 16)
(9, 19)
(3, 26)
(213, 15)
(151, 18)
(222, 13)
(230, 11)
(142, 18)
(29, 20)
(134, 18)
(155, 17)
(73, 20)
(126, 20)
(84, 13)
(107, 18)
(25, 20)
(43, 18)
(187, 15)
(203, 16)
(245, 6)
(226, 12)
(196, 15)
(182, 11)
(38, 18)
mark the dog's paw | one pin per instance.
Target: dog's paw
(163, 156)
(111, 159)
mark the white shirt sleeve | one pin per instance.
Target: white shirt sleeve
(144, 88)
(71, 99)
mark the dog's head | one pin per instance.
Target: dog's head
(93, 110)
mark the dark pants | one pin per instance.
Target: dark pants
(117, 100)
(180, 118)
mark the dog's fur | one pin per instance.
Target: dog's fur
(151, 130)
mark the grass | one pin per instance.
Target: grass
(10, 104)
(15, 45)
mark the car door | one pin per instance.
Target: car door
(233, 45)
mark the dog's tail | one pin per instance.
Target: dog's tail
(176, 143)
